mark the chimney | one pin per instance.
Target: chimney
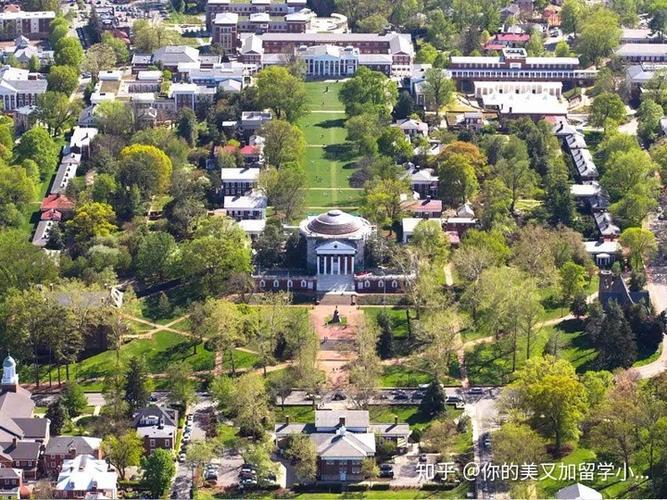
(286, 419)
(395, 420)
(341, 421)
(14, 441)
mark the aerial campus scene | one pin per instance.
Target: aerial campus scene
(331, 249)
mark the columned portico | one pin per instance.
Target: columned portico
(335, 258)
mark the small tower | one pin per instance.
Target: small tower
(10, 379)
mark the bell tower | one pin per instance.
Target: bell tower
(10, 379)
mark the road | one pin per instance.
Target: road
(183, 478)
(656, 272)
(483, 414)
(386, 396)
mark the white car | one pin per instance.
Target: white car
(186, 437)
(181, 457)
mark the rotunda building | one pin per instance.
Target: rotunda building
(335, 242)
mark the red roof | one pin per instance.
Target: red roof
(512, 37)
(248, 150)
(430, 206)
(58, 202)
(226, 149)
(52, 214)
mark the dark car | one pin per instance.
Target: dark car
(244, 474)
(400, 395)
(387, 470)
(476, 390)
(339, 396)
(249, 468)
(423, 458)
(452, 400)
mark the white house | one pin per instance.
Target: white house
(85, 475)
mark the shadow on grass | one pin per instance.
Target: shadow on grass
(340, 152)
(337, 123)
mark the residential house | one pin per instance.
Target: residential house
(156, 426)
(32, 25)
(11, 484)
(238, 181)
(422, 180)
(61, 448)
(412, 127)
(250, 206)
(426, 208)
(343, 439)
(642, 52)
(578, 491)
(21, 434)
(252, 121)
(86, 477)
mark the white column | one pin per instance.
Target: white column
(339, 265)
(345, 259)
(318, 264)
(352, 258)
(331, 269)
(324, 262)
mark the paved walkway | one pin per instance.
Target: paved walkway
(336, 341)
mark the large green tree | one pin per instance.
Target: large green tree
(368, 91)
(282, 92)
(159, 470)
(284, 143)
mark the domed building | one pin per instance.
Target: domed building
(335, 242)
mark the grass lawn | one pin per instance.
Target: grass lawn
(612, 488)
(650, 358)
(397, 318)
(405, 494)
(329, 159)
(403, 376)
(552, 303)
(491, 363)
(297, 414)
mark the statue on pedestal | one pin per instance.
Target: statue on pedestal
(336, 316)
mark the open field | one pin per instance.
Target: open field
(329, 159)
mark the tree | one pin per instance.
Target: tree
(649, 114)
(123, 451)
(616, 343)
(281, 91)
(246, 400)
(181, 387)
(98, 58)
(73, 399)
(218, 251)
(63, 79)
(405, 105)
(640, 243)
(186, 126)
(516, 443)
(552, 397)
(284, 143)
(458, 180)
(68, 52)
(91, 220)
(562, 49)
(114, 118)
(138, 385)
(58, 417)
(55, 110)
(118, 46)
(148, 36)
(535, 45)
(365, 374)
(159, 469)
(440, 437)
(383, 202)
(600, 35)
(438, 89)
(558, 202)
(385, 345)
(515, 171)
(17, 192)
(572, 16)
(156, 256)
(433, 402)
(572, 280)
(23, 264)
(368, 91)
(284, 188)
(37, 145)
(607, 106)
(301, 449)
(146, 167)
(363, 130)
(431, 241)
(395, 144)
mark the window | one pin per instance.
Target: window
(394, 284)
(367, 284)
(303, 283)
(152, 443)
(290, 284)
(262, 284)
(167, 443)
(276, 284)
(381, 284)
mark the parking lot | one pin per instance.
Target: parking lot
(398, 396)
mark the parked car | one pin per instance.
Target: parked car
(339, 396)
(476, 390)
(423, 458)
(486, 440)
(248, 483)
(452, 400)
(400, 395)
(246, 467)
(181, 457)
(247, 475)
(387, 470)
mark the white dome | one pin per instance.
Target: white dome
(9, 362)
